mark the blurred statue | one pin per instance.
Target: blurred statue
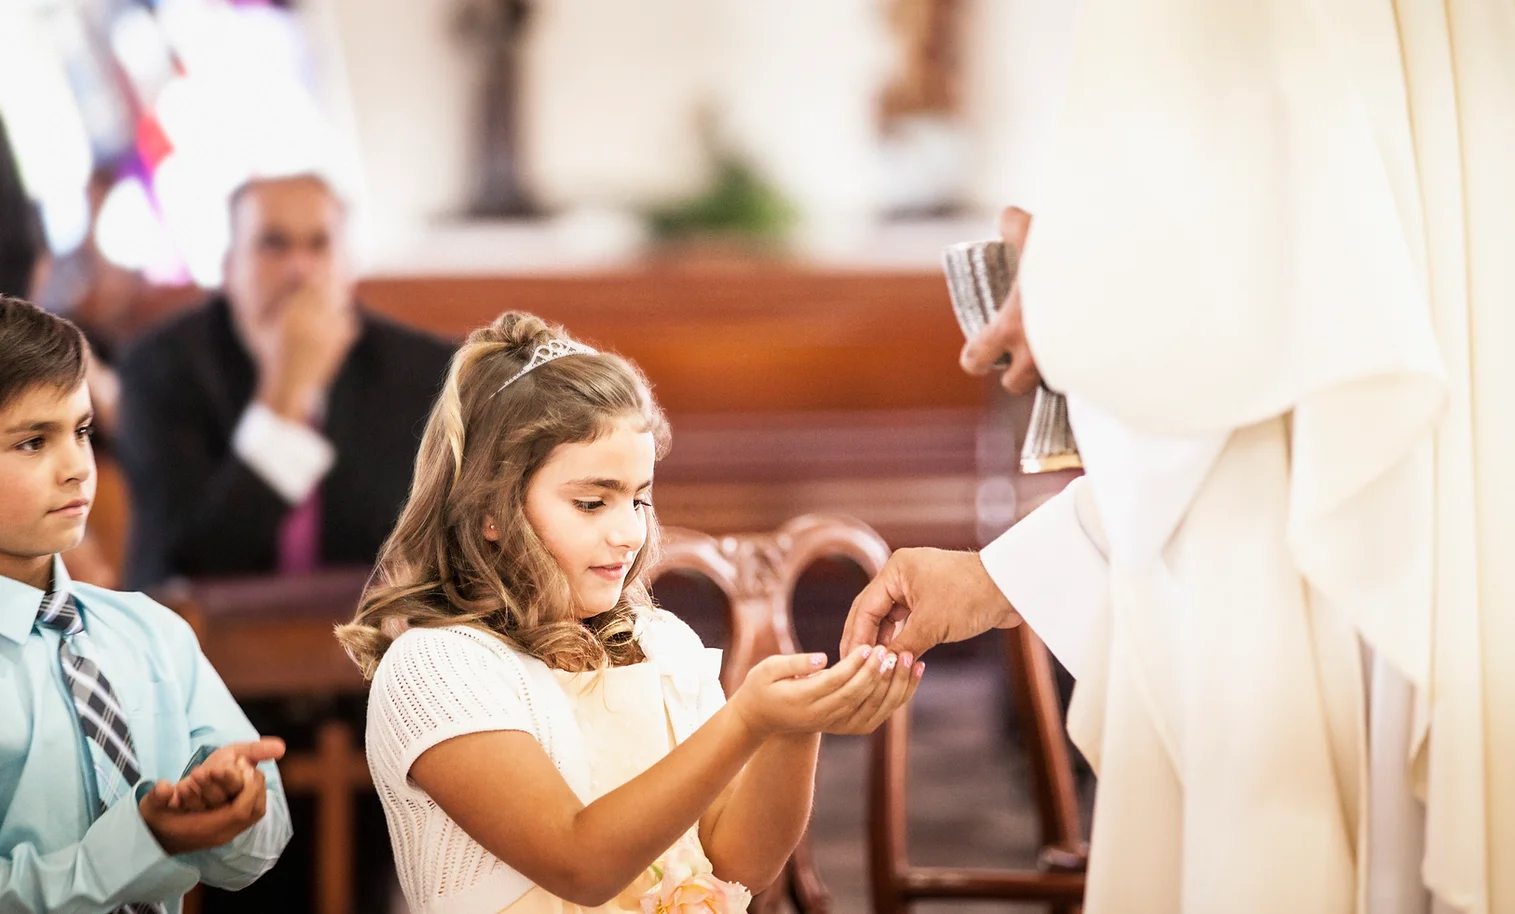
(498, 28)
(924, 144)
(927, 80)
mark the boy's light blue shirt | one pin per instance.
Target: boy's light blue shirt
(54, 855)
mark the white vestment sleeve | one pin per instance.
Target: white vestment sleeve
(1051, 568)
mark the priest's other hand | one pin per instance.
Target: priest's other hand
(925, 597)
(1005, 332)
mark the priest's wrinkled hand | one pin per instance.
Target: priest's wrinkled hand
(925, 597)
(1005, 332)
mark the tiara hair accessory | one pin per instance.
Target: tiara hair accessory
(548, 351)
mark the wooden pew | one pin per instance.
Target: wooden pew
(765, 336)
(790, 388)
(773, 338)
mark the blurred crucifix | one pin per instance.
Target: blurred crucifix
(497, 29)
(928, 35)
(924, 144)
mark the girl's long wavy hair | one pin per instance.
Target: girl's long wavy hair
(480, 450)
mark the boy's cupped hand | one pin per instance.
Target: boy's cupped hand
(217, 801)
(217, 780)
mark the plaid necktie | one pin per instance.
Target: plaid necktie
(100, 717)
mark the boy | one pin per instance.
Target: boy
(104, 693)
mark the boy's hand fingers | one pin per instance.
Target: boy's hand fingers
(218, 826)
(230, 780)
(218, 785)
(265, 749)
(209, 787)
(248, 801)
(156, 801)
(213, 796)
(259, 788)
(188, 794)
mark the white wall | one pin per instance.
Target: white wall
(800, 81)
(1016, 61)
(613, 90)
(407, 83)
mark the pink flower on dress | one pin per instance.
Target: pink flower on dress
(687, 885)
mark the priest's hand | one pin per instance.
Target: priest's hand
(925, 597)
(1005, 332)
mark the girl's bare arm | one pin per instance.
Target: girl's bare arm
(505, 792)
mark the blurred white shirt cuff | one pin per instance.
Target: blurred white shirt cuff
(290, 456)
(1050, 567)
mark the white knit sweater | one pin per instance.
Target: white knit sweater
(438, 683)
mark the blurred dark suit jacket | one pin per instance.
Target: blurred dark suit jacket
(197, 509)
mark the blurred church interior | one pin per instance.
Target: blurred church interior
(749, 198)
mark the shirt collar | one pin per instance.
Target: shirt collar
(19, 603)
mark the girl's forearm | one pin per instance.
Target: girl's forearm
(622, 833)
(766, 813)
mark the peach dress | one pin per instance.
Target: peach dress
(626, 730)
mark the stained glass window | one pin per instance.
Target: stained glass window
(166, 107)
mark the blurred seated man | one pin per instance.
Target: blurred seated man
(273, 429)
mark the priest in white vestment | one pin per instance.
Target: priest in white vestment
(1273, 268)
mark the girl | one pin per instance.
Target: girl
(544, 739)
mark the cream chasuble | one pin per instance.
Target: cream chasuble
(1274, 269)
